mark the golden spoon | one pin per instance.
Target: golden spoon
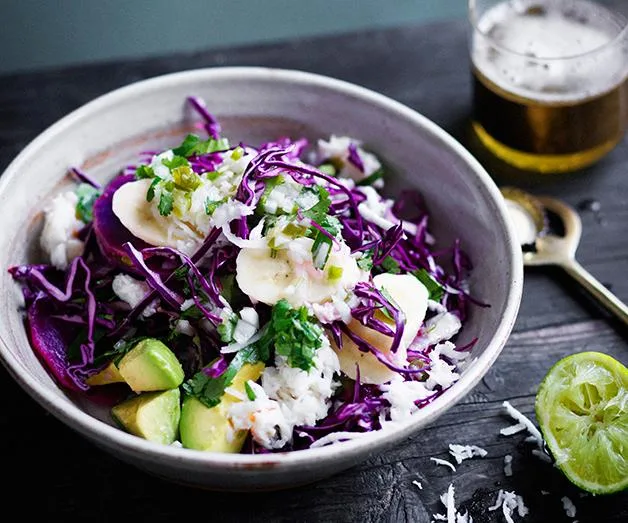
(550, 249)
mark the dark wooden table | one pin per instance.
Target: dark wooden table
(50, 471)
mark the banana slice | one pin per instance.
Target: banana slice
(291, 274)
(411, 296)
(130, 206)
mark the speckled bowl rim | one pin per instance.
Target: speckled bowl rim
(109, 435)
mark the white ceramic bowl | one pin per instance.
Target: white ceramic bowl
(254, 105)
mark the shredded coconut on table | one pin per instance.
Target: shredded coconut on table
(453, 516)
(462, 452)
(444, 462)
(513, 429)
(569, 507)
(523, 420)
(508, 465)
(508, 502)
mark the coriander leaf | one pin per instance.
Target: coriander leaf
(366, 261)
(144, 171)
(187, 146)
(192, 145)
(434, 288)
(150, 194)
(166, 203)
(120, 348)
(212, 146)
(208, 390)
(176, 162)
(87, 195)
(390, 300)
(226, 328)
(269, 185)
(318, 212)
(295, 336)
(321, 248)
(389, 264)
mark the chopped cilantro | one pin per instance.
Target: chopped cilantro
(321, 248)
(208, 390)
(318, 212)
(434, 288)
(144, 171)
(175, 162)
(366, 261)
(226, 328)
(87, 195)
(390, 300)
(150, 194)
(192, 145)
(389, 264)
(269, 185)
(115, 354)
(294, 335)
(166, 203)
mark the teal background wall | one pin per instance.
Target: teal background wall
(39, 34)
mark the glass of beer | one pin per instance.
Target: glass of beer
(550, 80)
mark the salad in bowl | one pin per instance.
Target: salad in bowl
(248, 298)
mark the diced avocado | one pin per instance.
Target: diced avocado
(209, 429)
(110, 374)
(152, 415)
(150, 366)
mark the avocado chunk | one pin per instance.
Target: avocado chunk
(110, 374)
(209, 429)
(153, 415)
(151, 366)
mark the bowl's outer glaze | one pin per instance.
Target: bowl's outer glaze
(255, 105)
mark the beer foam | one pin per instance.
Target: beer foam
(554, 53)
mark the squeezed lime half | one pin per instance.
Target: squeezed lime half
(582, 408)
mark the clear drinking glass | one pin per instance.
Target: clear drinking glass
(550, 80)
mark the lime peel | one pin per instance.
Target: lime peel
(582, 409)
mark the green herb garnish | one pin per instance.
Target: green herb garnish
(293, 334)
(208, 390)
(434, 288)
(389, 264)
(366, 261)
(192, 145)
(87, 195)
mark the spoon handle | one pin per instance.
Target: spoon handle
(597, 290)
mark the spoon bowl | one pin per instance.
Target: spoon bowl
(552, 249)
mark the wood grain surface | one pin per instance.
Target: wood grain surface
(53, 473)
